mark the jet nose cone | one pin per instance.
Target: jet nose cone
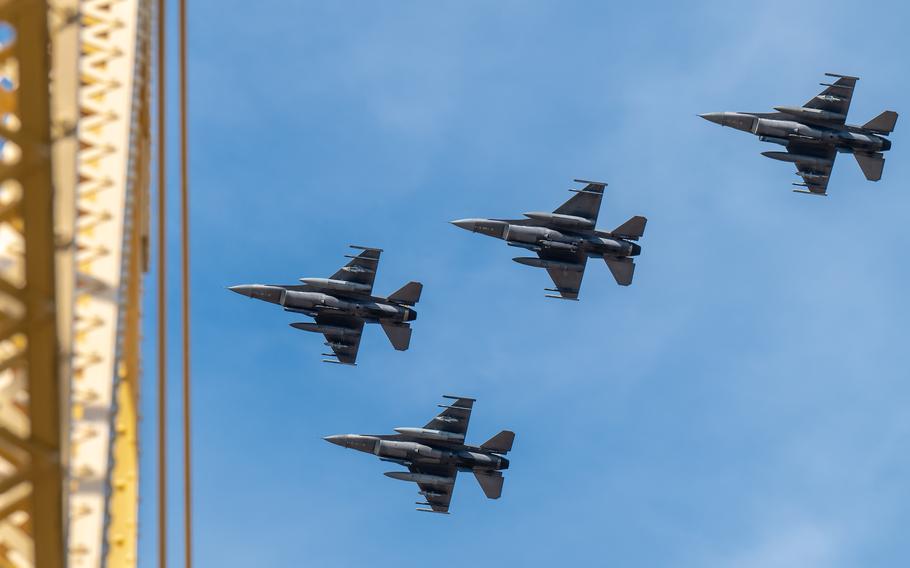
(243, 290)
(715, 117)
(466, 224)
(337, 439)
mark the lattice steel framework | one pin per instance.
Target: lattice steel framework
(31, 471)
(111, 250)
(74, 161)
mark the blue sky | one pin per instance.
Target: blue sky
(742, 404)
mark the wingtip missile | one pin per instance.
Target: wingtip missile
(603, 183)
(842, 76)
(454, 397)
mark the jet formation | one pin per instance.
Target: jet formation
(343, 303)
(814, 133)
(436, 453)
(565, 238)
(562, 240)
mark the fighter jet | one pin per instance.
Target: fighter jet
(436, 453)
(814, 133)
(565, 238)
(342, 303)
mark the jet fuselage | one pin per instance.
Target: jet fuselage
(368, 308)
(538, 238)
(783, 129)
(406, 450)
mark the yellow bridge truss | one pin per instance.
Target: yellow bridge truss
(74, 163)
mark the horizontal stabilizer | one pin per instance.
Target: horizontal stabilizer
(490, 482)
(871, 164)
(399, 335)
(632, 229)
(622, 268)
(883, 123)
(409, 294)
(500, 443)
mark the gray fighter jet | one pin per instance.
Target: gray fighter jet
(436, 453)
(342, 303)
(565, 238)
(814, 133)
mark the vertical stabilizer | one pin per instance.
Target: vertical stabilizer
(883, 123)
(632, 229)
(500, 443)
(409, 294)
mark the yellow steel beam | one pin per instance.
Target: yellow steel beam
(123, 507)
(63, 24)
(31, 529)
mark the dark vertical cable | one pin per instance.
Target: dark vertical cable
(185, 269)
(162, 296)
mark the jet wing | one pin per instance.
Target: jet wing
(361, 269)
(344, 347)
(567, 281)
(438, 496)
(585, 203)
(836, 97)
(455, 417)
(815, 177)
